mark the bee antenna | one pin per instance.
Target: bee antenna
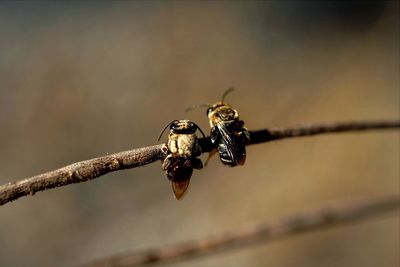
(196, 107)
(226, 93)
(165, 129)
(200, 131)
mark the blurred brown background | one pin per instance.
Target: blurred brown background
(82, 79)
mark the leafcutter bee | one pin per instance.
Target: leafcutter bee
(183, 150)
(228, 134)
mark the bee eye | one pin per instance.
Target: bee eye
(209, 110)
(174, 126)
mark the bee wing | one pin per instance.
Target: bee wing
(226, 137)
(234, 147)
(179, 188)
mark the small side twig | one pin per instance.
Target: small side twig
(93, 168)
(302, 222)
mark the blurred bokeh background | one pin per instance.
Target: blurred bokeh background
(83, 79)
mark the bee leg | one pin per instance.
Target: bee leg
(196, 150)
(240, 124)
(214, 135)
(212, 153)
(246, 135)
(167, 162)
(196, 163)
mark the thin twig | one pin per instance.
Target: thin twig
(93, 168)
(302, 222)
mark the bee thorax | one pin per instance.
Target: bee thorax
(182, 144)
(186, 144)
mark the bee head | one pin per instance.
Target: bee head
(212, 108)
(183, 127)
(222, 112)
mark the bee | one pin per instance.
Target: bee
(228, 134)
(183, 150)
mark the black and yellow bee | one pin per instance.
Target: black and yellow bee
(228, 133)
(183, 150)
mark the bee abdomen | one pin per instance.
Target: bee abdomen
(224, 156)
(232, 156)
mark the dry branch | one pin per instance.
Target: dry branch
(272, 134)
(80, 172)
(302, 222)
(93, 168)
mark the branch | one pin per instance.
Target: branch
(81, 172)
(272, 134)
(93, 168)
(302, 222)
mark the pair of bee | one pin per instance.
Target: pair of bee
(228, 136)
